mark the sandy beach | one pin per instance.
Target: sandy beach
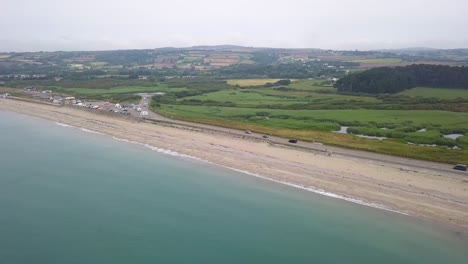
(421, 193)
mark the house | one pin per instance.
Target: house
(142, 77)
(46, 91)
(70, 98)
(118, 106)
(144, 113)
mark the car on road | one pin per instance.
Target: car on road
(292, 140)
(264, 136)
(248, 132)
(460, 167)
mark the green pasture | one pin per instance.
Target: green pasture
(311, 85)
(258, 97)
(378, 118)
(117, 90)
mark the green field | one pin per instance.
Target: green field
(271, 98)
(436, 92)
(378, 61)
(377, 118)
(311, 85)
(118, 94)
(117, 90)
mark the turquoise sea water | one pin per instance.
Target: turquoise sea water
(69, 196)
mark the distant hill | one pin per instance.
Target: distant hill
(393, 80)
(408, 50)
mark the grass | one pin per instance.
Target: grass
(251, 82)
(117, 90)
(436, 92)
(395, 118)
(315, 126)
(378, 61)
(311, 85)
(298, 92)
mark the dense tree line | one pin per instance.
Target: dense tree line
(394, 80)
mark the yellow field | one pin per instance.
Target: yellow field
(251, 82)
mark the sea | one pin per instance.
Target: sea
(71, 195)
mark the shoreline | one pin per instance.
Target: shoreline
(442, 199)
(290, 184)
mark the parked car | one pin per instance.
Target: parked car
(293, 140)
(248, 132)
(265, 136)
(460, 167)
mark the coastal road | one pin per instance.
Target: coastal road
(394, 161)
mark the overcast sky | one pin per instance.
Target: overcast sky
(34, 25)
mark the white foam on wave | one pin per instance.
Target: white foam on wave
(160, 150)
(62, 124)
(80, 128)
(322, 192)
(91, 131)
